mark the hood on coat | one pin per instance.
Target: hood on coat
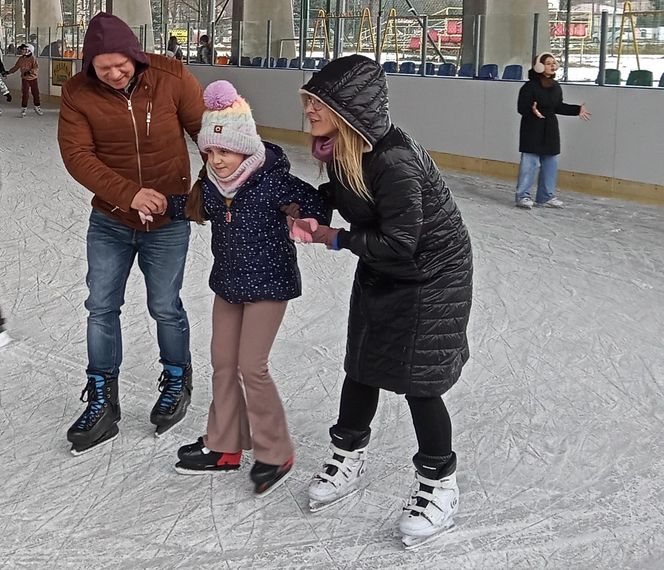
(355, 88)
(109, 34)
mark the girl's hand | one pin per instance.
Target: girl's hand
(584, 114)
(292, 209)
(302, 230)
(536, 111)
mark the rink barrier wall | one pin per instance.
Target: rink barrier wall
(472, 125)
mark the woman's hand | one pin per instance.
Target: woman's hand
(584, 114)
(326, 235)
(536, 111)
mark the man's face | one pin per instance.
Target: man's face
(114, 69)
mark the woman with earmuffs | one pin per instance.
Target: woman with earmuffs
(540, 100)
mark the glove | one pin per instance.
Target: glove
(145, 218)
(328, 236)
(301, 230)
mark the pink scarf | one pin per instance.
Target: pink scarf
(229, 185)
(323, 148)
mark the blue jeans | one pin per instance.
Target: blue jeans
(546, 182)
(112, 248)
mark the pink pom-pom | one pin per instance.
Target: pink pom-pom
(219, 95)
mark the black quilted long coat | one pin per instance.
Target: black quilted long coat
(412, 290)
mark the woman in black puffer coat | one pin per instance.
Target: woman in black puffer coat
(540, 100)
(412, 290)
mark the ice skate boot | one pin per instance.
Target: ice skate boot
(5, 339)
(99, 422)
(196, 459)
(267, 478)
(175, 385)
(38, 110)
(342, 473)
(433, 502)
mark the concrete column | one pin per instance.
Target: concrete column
(137, 13)
(45, 14)
(255, 14)
(506, 35)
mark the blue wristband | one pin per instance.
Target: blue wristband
(335, 242)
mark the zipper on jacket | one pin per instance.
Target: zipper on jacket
(148, 116)
(138, 151)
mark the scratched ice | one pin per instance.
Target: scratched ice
(558, 419)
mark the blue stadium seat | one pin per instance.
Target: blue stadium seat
(429, 69)
(408, 67)
(322, 63)
(309, 63)
(489, 71)
(294, 63)
(447, 70)
(390, 67)
(269, 63)
(514, 72)
(467, 70)
(245, 61)
(282, 62)
(257, 62)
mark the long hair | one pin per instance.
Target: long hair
(194, 210)
(347, 158)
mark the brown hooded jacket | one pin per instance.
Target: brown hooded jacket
(115, 144)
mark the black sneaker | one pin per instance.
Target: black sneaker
(267, 478)
(196, 459)
(173, 401)
(99, 422)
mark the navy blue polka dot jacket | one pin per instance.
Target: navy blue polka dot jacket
(254, 259)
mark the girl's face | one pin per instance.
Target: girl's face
(550, 66)
(224, 162)
(319, 116)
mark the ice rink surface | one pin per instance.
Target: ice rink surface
(558, 418)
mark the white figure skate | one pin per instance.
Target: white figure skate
(430, 510)
(340, 478)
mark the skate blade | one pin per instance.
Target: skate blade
(278, 484)
(318, 506)
(183, 471)
(76, 452)
(413, 542)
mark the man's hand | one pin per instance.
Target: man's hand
(149, 201)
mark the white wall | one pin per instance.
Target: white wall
(474, 118)
(478, 118)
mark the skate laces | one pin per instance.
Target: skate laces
(93, 395)
(171, 388)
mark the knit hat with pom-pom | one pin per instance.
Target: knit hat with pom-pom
(227, 122)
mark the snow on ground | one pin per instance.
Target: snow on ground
(558, 417)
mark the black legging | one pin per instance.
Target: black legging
(433, 426)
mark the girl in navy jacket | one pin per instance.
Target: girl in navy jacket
(244, 192)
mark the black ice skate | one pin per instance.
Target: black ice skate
(433, 502)
(343, 472)
(99, 422)
(196, 459)
(267, 478)
(174, 399)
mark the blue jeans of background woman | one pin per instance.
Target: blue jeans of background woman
(546, 181)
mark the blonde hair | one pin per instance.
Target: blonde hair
(347, 162)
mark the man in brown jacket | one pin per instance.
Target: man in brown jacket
(121, 136)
